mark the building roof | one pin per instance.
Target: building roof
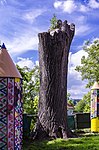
(7, 66)
(95, 86)
(69, 106)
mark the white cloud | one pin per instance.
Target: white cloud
(76, 87)
(82, 29)
(81, 26)
(67, 6)
(84, 8)
(70, 6)
(16, 29)
(33, 14)
(93, 4)
(37, 63)
(78, 91)
(22, 62)
(58, 4)
(75, 60)
(22, 42)
(81, 19)
(3, 2)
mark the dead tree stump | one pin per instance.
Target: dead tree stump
(53, 60)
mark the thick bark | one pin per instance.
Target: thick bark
(53, 60)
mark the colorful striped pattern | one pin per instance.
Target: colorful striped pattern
(94, 103)
(18, 114)
(3, 114)
(10, 114)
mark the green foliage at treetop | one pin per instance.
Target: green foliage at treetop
(53, 22)
(31, 85)
(89, 67)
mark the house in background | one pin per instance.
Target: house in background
(75, 101)
(70, 109)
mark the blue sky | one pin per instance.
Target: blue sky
(22, 20)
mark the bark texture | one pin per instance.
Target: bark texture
(53, 59)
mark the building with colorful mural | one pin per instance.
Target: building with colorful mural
(10, 103)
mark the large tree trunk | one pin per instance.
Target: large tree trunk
(53, 60)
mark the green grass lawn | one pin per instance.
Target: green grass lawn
(82, 143)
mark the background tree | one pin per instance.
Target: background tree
(68, 96)
(80, 106)
(87, 99)
(84, 104)
(89, 67)
(69, 99)
(31, 85)
(89, 70)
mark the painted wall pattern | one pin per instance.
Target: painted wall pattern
(3, 113)
(18, 114)
(94, 103)
(10, 114)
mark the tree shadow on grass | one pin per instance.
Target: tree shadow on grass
(86, 143)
